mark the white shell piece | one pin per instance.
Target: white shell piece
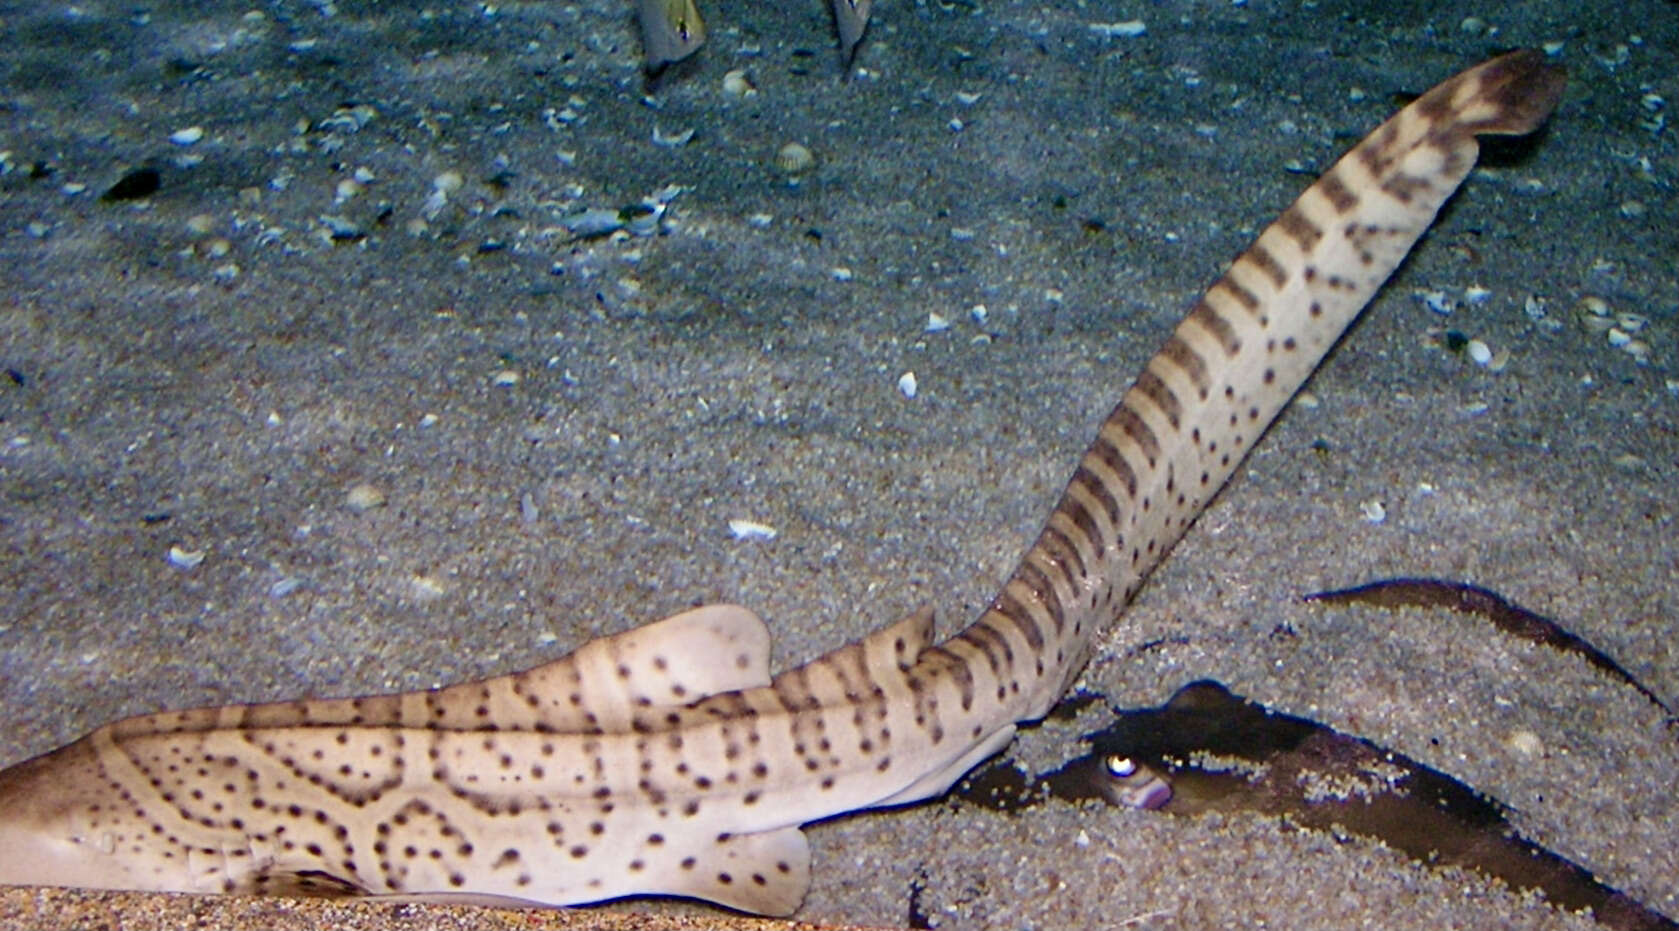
(185, 559)
(750, 530)
(1125, 30)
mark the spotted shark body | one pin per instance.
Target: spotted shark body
(666, 760)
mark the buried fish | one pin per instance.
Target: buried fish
(1507, 616)
(1208, 750)
(666, 760)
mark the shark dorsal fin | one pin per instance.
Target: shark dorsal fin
(891, 650)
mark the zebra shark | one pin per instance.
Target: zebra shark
(666, 759)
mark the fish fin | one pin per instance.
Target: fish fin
(891, 650)
(671, 30)
(766, 873)
(851, 20)
(937, 782)
(665, 664)
(303, 884)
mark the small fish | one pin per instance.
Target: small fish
(671, 30)
(851, 19)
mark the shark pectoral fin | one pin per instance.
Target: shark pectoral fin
(766, 873)
(935, 783)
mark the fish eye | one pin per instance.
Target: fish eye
(1120, 767)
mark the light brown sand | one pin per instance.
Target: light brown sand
(671, 384)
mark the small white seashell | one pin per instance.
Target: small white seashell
(285, 587)
(1373, 510)
(1618, 337)
(1307, 401)
(1479, 353)
(937, 323)
(448, 182)
(672, 140)
(426, 588)
(185, 559)
(736, 84)
(187, 136)
(1475, 294)
(841, 273)
(1436, 301)
(1631, 322)
(596, 221)
(1526, 742)
(751, 530)
(979, 312)
(906, 384)
(793, 158)
(364, 497)
(1125, 30)
(955, 125)
(967, 99)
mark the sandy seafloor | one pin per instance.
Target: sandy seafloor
(207, 369)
